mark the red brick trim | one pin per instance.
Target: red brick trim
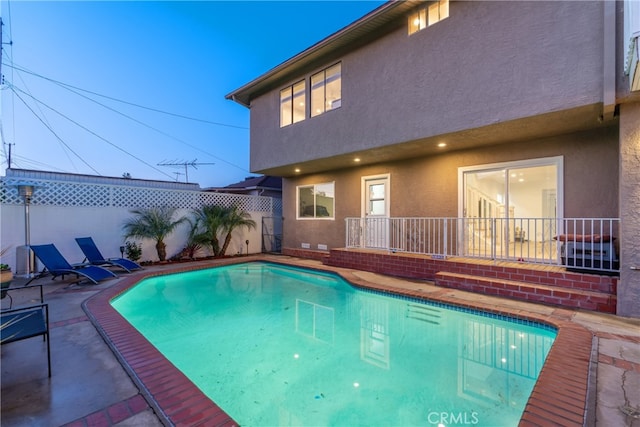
(539, 284)
(306, 253)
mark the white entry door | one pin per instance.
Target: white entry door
(375, 207)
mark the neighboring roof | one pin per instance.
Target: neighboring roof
(13, 173)
(355, 33)
(264, 182)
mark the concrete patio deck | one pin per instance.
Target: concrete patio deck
(90, 387)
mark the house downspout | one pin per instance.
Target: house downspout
(609, 61)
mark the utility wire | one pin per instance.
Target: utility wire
(22, 159)
(14, 89)
(71, 88)
(43, 117)
(18, 68)
(51, 130)
(149, 126)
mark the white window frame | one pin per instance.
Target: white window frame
(428, 15)
(315, 110)
(315, 192)
(557, 161)
(292, 99)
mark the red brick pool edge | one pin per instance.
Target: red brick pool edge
(559, 397)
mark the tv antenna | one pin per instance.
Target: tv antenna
(194, 164)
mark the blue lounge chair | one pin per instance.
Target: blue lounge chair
(56, 265)
(94, 256)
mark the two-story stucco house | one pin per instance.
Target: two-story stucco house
(507, 130)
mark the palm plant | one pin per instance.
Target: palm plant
(210, 220)
(153, 223)
(193, 244)
(233, 219)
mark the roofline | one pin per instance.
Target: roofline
(375, 18)
(82, 177)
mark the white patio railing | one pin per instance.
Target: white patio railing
(580, 243)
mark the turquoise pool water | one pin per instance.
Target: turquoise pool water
(280, 346)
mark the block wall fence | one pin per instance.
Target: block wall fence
(66, 206)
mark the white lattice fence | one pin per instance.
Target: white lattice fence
(59, 193)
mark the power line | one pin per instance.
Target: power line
(43, 117)
(153, 128)
(69, 88)
(19, 160)
(52, 131)
(125, 102)
(13, 88)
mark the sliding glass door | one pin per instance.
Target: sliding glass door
(510, 209)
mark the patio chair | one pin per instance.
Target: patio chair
(56, 265)
(4, 293)
(94, 256)
(26, 322)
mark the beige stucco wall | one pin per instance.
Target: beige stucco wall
(429, 186)
(629, 286)
(488, 63)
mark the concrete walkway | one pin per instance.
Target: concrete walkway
(89, 387)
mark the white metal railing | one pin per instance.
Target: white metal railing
(580, 243)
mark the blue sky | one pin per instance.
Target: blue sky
(176, 57)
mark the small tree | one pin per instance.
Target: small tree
(209, 220)
(153, 223)
(234, 218)
(193, 245)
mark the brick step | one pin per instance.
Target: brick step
(532, 292)
(563, 279)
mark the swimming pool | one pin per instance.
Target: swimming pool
(274, 345)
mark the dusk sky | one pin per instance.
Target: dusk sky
(68, 66)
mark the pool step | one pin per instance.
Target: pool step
(423, 313)
(530, 292)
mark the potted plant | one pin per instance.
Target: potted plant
(133, 250)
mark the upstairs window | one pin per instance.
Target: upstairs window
(326, 90)
(428, 15)
(292, 104)
(316, 201)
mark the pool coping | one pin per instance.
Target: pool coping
(559, 397)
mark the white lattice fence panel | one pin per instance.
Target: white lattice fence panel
(247, 203)
(58, 193)
(61, 193)
(147, 198)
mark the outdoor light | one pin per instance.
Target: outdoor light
(247, 242)
(25, 190)
(122, 251)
